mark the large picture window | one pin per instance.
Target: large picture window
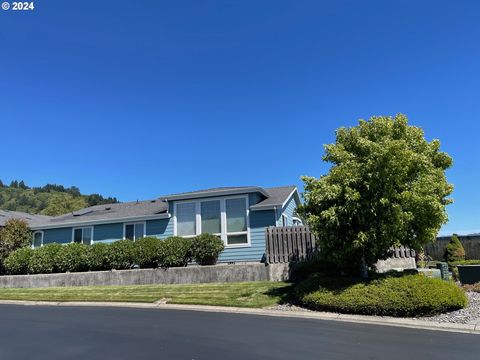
(226, 217)
(83, 235)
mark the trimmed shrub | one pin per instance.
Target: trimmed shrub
(175, 251)
(44, 260)
(17, 262)
(98, 257)
(454, 250)
(206, 248)
(407, 295)
(301, 270)
(147, 252)
(121, 255)
(73, 258)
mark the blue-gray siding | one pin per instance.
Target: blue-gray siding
(161, 228)
(258, 221)
(107, 232)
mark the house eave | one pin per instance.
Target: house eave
(100, 221)
(216, 193)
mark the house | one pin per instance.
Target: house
(29, 218)
(239, 215)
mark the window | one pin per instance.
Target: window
(284, 220)
(83, 235)
(211, 217)
(186, 219)
(236, 212)
(37, 239)
(134, 231)
(225, 217)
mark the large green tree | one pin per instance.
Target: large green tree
(386, 187)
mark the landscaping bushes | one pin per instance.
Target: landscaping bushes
(98, 257)
(454, 250)
(44, 260)
(72, 258)
(175, 251)
(401, 295)
(122, 255)
(206, 248)
(19, 261)
(148, 252)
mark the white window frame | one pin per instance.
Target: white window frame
(33, 238)
(135, 223)
(82, 227)
(223, 219)
(284, 220)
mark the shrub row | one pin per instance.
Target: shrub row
(401, 295)
(148, 252)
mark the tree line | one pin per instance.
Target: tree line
(50, 199)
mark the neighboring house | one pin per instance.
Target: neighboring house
(31, 219)
(239, 215)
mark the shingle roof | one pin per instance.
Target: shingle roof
(30, 218)
(111, 212)
(276, 197)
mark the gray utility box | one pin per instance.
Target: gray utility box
(469, 274)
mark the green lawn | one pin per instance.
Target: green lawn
(247, 294)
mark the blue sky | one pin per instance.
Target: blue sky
(139, 99)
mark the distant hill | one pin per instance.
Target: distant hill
(50, 199)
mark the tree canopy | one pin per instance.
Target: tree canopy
(386, 187)
(50, 199)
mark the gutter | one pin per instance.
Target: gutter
(100, 221)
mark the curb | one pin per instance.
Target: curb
(359, 319)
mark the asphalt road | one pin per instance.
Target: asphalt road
(38, 332)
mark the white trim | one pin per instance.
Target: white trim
(295, 218)
(144, 223)
(284, 222)
(82, 228)
(223, 218)
(33, 238)
(288, 197)
(101, 222)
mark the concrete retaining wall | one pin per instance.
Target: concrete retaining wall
(187, 275)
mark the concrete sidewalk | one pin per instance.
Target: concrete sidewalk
(362, 319)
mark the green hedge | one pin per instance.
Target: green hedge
(206, 248)
(175, 251)
(407, 295)
(149, 252)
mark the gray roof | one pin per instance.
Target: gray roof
(158, 208)
(30, 218)
(219, 191)
(106, 212)
(276, 197)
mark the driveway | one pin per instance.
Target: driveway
(48, 332)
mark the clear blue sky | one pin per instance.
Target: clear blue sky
(136, 99)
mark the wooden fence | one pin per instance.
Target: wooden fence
(296, 243)
(471, 244)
